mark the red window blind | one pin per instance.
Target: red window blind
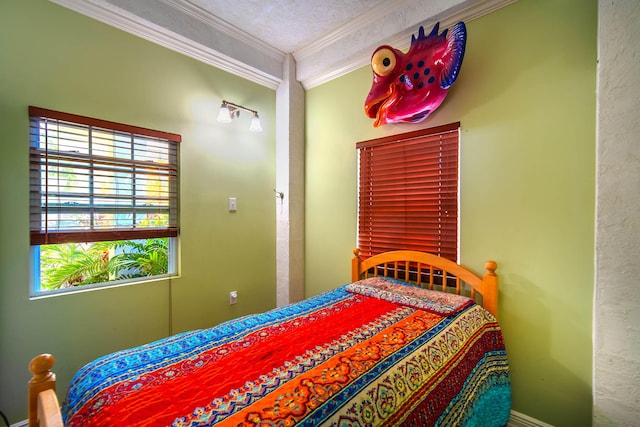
(408, 192)
(94, 180)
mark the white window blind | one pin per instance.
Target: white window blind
(94, 180)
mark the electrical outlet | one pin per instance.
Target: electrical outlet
(233, 297)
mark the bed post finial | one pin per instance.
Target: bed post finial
(490, 288)
(42, 379)
(40, 366)
(355, 265)
(491, 267)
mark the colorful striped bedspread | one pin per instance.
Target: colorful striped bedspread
(348, 357)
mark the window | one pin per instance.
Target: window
(103, 201)
(408, 192)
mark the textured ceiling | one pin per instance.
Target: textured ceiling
(288, 25)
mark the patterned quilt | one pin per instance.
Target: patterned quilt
(373, 353)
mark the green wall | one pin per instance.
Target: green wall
(526, 102)
(55, 58)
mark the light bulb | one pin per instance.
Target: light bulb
(224, 116)
(255, 126)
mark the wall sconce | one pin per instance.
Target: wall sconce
(230, 111)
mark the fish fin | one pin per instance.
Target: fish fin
(433, 34)
(419, 37)
(434, 31)
(453, 55)
(420, 116)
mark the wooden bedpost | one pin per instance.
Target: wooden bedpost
(355, 265)
(490, 288)
(42, 388)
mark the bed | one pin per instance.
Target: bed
(412, 340)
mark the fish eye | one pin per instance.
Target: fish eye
(383, 62)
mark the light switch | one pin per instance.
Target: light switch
(232, 204)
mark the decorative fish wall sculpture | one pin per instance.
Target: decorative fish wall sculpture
(408, 87)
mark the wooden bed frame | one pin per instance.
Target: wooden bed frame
(427, 270)
(432, 272)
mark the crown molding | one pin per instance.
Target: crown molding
(312, 74)
(133, 24)
(382, 12)
(213, 21)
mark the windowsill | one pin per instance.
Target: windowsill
(100, 286)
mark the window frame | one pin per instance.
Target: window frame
(396, 157)
(149, 166)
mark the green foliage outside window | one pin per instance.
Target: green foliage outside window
(76, 264)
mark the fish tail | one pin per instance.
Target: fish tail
(456, 43)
